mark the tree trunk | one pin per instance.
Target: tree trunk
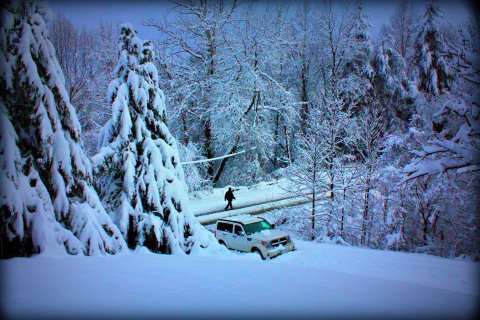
(223, 163)
(314, 182)
(434, 224)
(275, 138)
(208, 146)
(330, 187)
(366, 204)
(287, 148)
(185, 128)
(385, 206)
(424, 228)
(313, 215)
(304, 99)
(343, 212)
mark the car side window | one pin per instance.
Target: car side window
(239, 230)
(227, 227)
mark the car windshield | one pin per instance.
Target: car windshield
(257, 227)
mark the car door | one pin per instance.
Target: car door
(229, 236)
(239, 239)
(225, 231)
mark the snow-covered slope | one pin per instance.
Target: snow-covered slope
(315, 280)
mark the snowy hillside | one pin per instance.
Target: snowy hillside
(315, 280)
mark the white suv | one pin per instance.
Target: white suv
(252, 234)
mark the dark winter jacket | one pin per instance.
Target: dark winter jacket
(229, 196)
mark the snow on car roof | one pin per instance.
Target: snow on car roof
(244, 218)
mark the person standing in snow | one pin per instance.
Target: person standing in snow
(229, 197)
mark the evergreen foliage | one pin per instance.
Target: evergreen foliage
(47, 199)
(432, 74)
(142, 180)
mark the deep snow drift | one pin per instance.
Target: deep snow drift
(315, 280)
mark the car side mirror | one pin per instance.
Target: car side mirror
(240, 233)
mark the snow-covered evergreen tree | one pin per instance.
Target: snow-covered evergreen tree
(47, 200)
(361, 42)
(142, 179)
(432, 74)
(440, 151)
(446, 137)
(449, 140)
(392, 87)
(358, 72)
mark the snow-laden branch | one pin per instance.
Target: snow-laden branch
(217, 158)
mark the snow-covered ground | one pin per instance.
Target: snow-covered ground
(315, 280)
(257, 199)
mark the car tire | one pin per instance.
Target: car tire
(222, 243)
(255, 250)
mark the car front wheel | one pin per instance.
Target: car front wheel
(255, 250)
